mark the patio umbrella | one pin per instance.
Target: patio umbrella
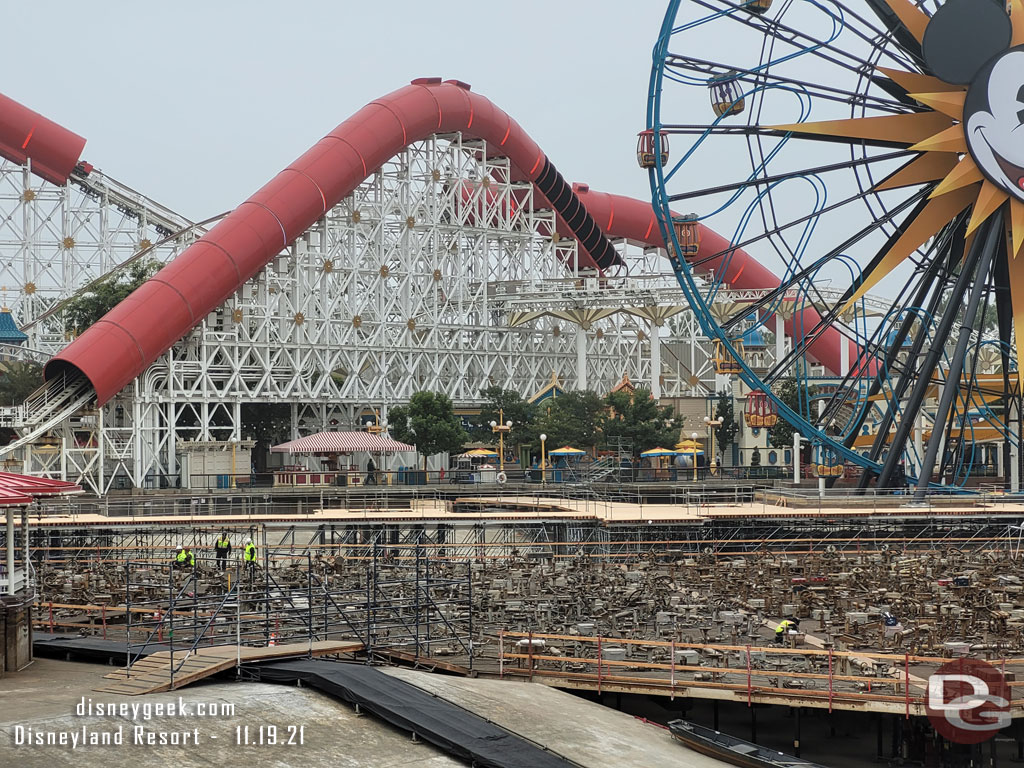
(567, 450)
(689, 447)
(657, 453)
(479, 453)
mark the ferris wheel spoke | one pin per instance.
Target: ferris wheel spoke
(758, 79)
(873, 225)
(801, 40)
(768, 180)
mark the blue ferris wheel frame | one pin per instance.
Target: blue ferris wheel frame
(685, 275)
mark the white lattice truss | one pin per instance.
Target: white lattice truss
(437, 273)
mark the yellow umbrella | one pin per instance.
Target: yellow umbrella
(479, 453)
(689, 447)
(567, 450)
(658, 453)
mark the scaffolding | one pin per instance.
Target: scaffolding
(400, 599)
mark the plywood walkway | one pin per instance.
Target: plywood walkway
(152, 674)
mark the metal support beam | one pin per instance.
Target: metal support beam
(991, 234)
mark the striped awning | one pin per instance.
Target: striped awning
(18, 490)
(343, 442)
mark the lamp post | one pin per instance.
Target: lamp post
(543, 459)
(501, 427)
(693, 444)
(711, 424)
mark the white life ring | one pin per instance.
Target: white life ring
(502, 478)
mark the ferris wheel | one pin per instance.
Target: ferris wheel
(870, 153)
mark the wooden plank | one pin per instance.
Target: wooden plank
(153, 673)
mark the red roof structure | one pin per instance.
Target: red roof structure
(19, 490)
(343, 442)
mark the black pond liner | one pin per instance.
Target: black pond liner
(453, 729)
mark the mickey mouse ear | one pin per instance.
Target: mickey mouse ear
(962, 36)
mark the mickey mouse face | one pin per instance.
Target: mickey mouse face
(994, 121)
(968, 42)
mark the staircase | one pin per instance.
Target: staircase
(44, 409)
(601, 469)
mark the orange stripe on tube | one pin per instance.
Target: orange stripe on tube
(507, 132)
(28, 138)
(738, 273)
(650, 226)
(540, 156)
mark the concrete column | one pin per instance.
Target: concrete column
(581, 356)
(1014, 468)
(655, 340)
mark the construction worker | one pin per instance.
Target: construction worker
(222, 548)
(249, 557)
(784, 626)
(184, 557)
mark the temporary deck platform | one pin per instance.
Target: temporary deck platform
(153, 674)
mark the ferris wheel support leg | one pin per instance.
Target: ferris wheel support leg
(993, 231)
(923, 375)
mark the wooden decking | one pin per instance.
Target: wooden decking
(152, 674)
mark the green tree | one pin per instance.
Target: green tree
(788, 391)
(725, 433)
(428, 422)
(18, 380)
(85, 308)
(639, 419)
(570, 419)
(511, 406)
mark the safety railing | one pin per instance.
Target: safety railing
(832, 678)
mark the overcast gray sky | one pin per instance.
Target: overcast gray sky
(197, 104)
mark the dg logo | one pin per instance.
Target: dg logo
(968, 701)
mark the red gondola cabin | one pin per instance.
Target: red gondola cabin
(645, 148)
(761, 412)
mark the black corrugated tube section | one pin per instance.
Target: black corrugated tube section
(577, 217)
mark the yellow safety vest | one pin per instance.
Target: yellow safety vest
(181, 557)
(250, 553)
(784, 625)
(223, 543)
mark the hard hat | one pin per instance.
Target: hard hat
(179, 546)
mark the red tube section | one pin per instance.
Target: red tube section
(135, 333)
(26, 135)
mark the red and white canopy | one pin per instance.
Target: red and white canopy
(343, 442)
(19, 490)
